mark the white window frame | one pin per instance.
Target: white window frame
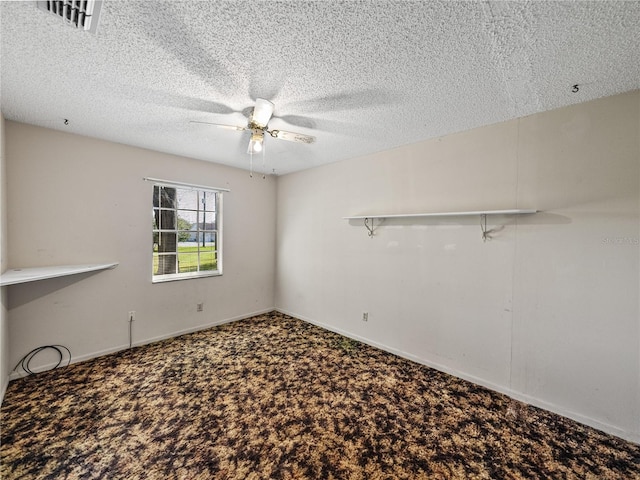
(219, 230)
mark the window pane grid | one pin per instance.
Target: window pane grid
(185, 232)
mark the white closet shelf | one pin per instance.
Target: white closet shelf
(23, 275)
(486, 234)
(445, 214)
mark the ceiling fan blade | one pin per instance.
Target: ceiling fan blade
(228, 127)
(291, 136)
(262, 112)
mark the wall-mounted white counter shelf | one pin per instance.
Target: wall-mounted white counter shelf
(481, 213)
(24, 275)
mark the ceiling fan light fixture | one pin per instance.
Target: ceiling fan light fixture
(256, 144)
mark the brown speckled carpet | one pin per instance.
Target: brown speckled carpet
(272, 397)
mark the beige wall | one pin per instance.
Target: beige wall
(546, 311)
(76, 200)
(4, 318)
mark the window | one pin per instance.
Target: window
(187, 240)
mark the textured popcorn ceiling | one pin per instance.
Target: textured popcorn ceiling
(361, 76)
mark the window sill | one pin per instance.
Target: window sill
(184, 276)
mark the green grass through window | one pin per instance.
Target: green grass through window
(188, 259)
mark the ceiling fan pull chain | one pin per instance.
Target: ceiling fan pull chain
(251, 164)
(264, 166)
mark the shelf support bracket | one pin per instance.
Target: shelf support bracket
(483, 226)
(487, 233)
(369, 228)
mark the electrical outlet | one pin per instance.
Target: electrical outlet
(200, 307)
(132, 315)
(365, 317)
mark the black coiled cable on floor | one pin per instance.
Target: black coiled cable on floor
(26, 360)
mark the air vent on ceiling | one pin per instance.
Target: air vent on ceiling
(79, 14)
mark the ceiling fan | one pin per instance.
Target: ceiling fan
(258, 126)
